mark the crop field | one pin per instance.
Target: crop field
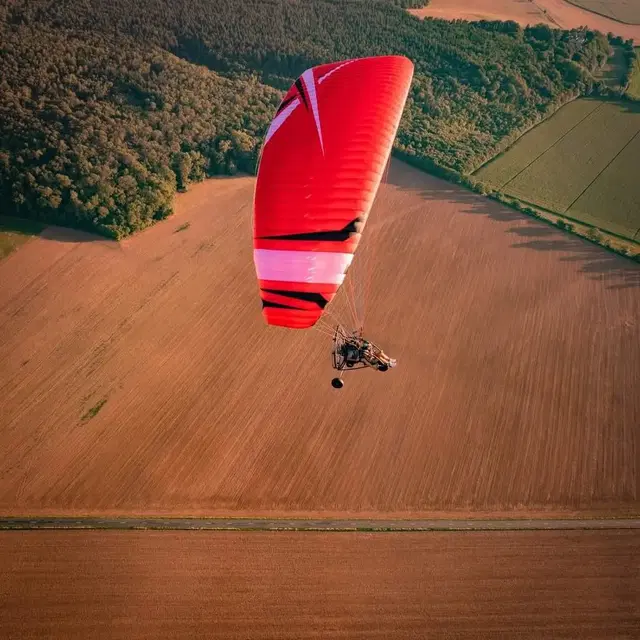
(554, 13)
(141, 584)
(521, 11)
(140, 377)
(589, 172)
(505, 167)
(623, 10)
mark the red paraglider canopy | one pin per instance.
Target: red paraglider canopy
(321, 165)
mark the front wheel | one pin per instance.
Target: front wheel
(337, 383)
(383, 367)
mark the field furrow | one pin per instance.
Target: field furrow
(141, 378)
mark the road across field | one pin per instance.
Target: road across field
(267, 524)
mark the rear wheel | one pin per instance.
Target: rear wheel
(337, 383)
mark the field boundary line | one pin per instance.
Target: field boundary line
(554, 144)
(566, 216)
(633, 137)
(317, 524)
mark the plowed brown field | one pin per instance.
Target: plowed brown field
(555, 13)
(517, 385)
(523, 12)
(325, 585)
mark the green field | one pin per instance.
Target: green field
(617, 190)
(622, 10)
(14, 232)
(509, 164)
(582, 162)
(634, 84)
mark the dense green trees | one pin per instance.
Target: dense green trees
(107, 108)
(99, 136)
(630, 58)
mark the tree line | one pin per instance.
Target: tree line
(106, 109)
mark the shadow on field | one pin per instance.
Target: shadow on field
(629, 106)
(64, 234)
(21, 226)
(26, 227)
(596, 261)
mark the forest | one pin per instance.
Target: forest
(106, 109)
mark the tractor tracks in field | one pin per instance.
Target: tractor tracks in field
(315, 524)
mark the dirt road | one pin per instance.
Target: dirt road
(292, 524)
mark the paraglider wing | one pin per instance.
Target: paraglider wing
(321, 164)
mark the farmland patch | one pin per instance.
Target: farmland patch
(589, 172)
(627, 11)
